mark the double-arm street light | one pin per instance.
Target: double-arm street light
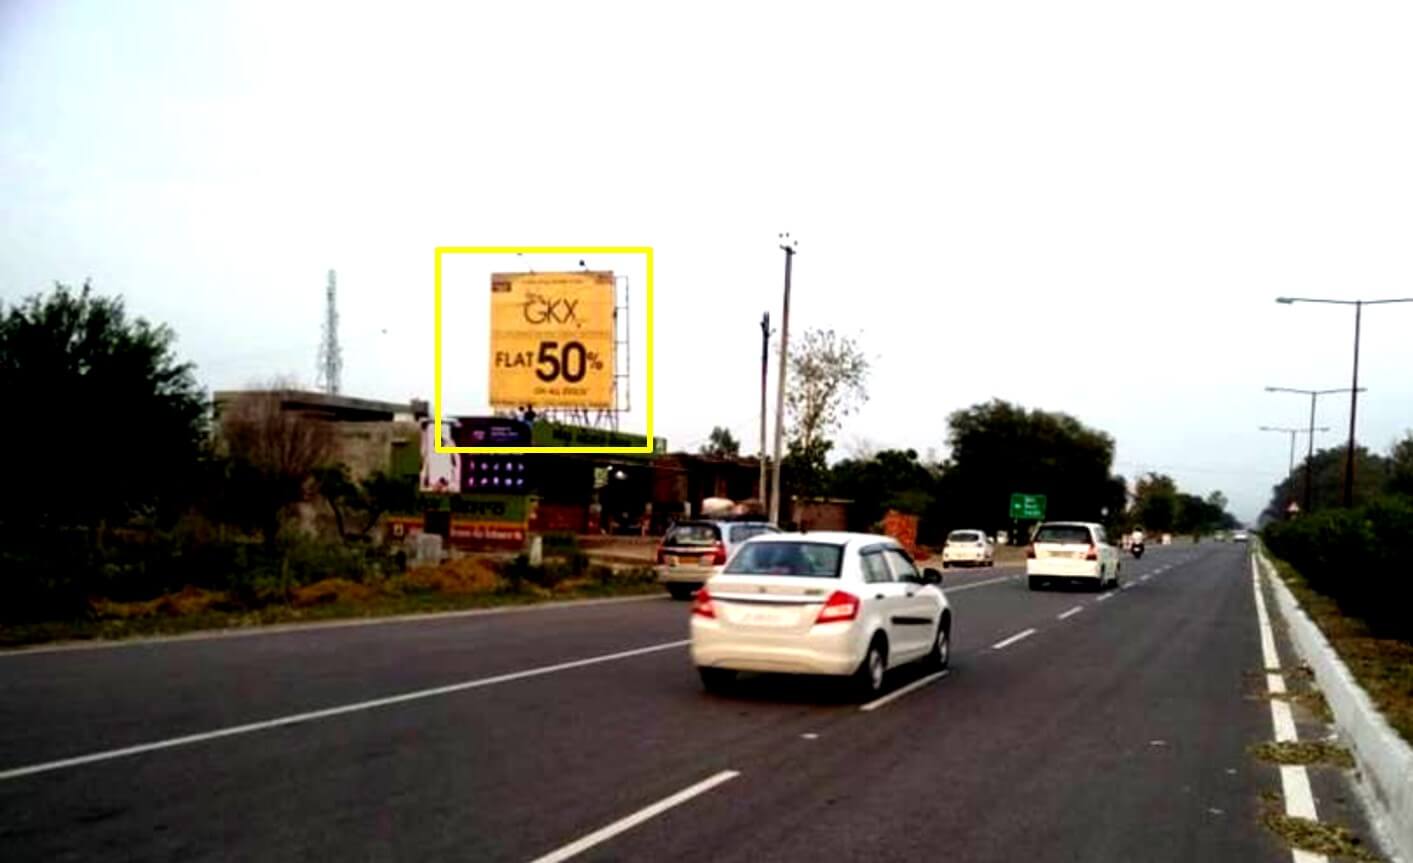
(1310, 457)
(1290, 471)
(1353, 387)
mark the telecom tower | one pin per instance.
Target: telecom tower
(330, 355)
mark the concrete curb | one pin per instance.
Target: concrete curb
(1384, 760)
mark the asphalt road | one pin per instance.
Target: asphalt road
(1117, 732)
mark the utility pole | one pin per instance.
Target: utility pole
(1310, 458)
(764, 375)
(789, 246)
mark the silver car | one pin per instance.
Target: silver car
(693, 551)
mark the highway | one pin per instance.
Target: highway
(1072, 726)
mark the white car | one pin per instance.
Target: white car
(1240, 536)
(970, 547)
(844, 604)
(1070, 551)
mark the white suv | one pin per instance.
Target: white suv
(1070, 551)
(845, 604)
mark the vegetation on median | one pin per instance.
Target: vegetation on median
(463, 583)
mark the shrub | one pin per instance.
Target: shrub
(1361, 558)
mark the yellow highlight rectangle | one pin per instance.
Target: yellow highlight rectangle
(645, 251)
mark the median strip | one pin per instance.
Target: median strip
(1013, 639)
(295, 718)
(622, 825)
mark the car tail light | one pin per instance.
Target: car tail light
(701, 604)
(1030, 552)
(718, 556)
(1093, 553)
(839, 606)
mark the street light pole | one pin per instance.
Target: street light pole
(1290, 469)
(788, 245)
(1353, 406)
(1310, 457)
(1354, 387)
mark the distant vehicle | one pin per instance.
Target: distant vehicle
(693, 551)
(969, 547)
(1071, 551)
(1240, 536)
(845, 604)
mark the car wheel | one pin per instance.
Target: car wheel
(868, 679)
(716, 679)
(681, 591)
(1034, 583)
(941, 652)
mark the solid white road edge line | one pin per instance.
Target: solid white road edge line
(579, 846)
(1295, 781)
(1071, 613)
(1013, 639)
(326, 713)
(915, 685)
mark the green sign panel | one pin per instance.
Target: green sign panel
(508, 508)
(1028, 507)
(544, 433)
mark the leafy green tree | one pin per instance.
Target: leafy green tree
(721, 443)
(1371, 479)
(1400, 466)
(1156, 503)
(891, 479)
(127, 415)
(358, 504)
(999, 448)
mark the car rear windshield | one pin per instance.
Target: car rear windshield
(692, 534)
(743, 532)
(807, 559)
(964, 536)
(1072, 534)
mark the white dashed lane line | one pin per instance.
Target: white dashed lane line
(1007, 642)
(1071, 613)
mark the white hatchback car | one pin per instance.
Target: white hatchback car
(845, 604)
(1069, 551)
(970, 547)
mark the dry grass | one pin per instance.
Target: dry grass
(1307, 752)
(1331, 840)
(187, 601)
(459, 577)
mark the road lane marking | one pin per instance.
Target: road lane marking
(915, 685)
(1295, 781)
(978, 584)
(1072, 612)
(328, 712)
(601, 835)
(1105, 597)
(1144, 577)
(1013, 639)
(1127, 585)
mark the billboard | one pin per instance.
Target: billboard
(451, 473)
(552, 340)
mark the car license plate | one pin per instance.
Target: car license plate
(768, 616)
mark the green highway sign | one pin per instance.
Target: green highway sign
(1028, 507)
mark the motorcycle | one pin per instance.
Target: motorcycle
(1136, 549)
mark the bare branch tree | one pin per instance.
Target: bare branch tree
(827, 375)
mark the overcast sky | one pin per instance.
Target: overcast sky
(1078, 206)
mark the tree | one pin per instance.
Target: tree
(125, 419)
(891, 479)
(273, 456)
(1371, 479)
(1156, 503)
(720, 443)
(999, 448)
(827, 377)
(1400, 467)
(357, 505)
